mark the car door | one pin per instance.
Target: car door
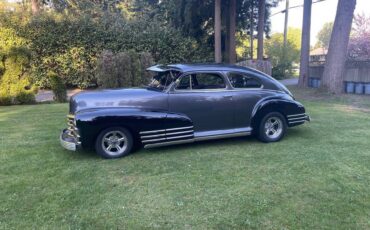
(247, 91)
(205, 98)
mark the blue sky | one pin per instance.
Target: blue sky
(321, 12)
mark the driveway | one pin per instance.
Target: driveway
(47, 95)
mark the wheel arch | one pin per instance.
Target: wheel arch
(282, 106)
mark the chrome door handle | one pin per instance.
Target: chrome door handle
(228, 96)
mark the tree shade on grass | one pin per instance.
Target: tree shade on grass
(316, 178)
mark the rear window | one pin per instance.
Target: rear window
(244, 81)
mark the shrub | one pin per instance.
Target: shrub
(70, 45)
(58, 87)
(124, 69)
(15, 84)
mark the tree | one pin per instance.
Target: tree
(261, 26)
(281, 61)
(305, 44)
(335, 61)
(232, 31)
(323, 37)
(359, 45)
(218, 58)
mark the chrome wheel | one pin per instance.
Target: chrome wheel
(114, 143)
(273, 127)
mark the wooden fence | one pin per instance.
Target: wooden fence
(356, 76)
(263, 66)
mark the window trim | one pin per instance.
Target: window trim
(220, 74)
(244, 73)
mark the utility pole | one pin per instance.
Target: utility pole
(286, 22)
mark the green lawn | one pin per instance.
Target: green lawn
(318, 177)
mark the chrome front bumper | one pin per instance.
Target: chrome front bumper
(68, 141)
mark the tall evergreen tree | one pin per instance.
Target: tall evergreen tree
(337, 53)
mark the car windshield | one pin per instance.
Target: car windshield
(162, 80)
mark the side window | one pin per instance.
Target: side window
(207, 81)
(244, 81)
(184, 83)
(201, 81)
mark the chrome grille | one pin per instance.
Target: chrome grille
(71, 126)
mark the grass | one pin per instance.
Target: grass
(318, 177)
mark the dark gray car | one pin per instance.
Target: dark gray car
(182, 104)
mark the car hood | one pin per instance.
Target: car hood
(136, 97)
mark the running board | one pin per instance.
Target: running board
(196, 139)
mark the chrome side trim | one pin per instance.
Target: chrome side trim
(297, 118)
(222, 136)
(188, 127)
(168, 143)
(297, 115)
(153, 131)
(167, 138)
(153, 140)
(153, 136)
(178, 137)
(190, 140)
(293, 122)
(166, 134)
(166, 130)
(182, 132)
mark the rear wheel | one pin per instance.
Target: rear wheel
(272, 127)
(114, 142)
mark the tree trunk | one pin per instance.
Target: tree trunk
(225, 16)
(337, 54)
(305, 44)
(35, 7)
(261, 26)
(218, 58)
(251, 31)
(232, 31)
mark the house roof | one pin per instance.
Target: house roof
(318, 51)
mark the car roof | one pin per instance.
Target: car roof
(200, 67)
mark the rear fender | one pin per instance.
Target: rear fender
(285, 106)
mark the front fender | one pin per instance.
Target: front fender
(91, 122)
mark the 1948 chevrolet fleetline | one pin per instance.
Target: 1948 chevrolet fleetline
(183, 103)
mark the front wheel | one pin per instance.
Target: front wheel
(272, 127)
(114, 143)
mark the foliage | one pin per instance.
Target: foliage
(359, 45)
(15, 83)
(243, 44)
(195, 18)
(283, 58)
(123, 69)
(323, 37)
(70, 46)
(58, 87)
